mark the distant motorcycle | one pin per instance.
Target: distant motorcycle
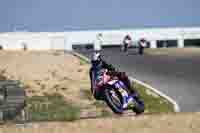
(112, 92)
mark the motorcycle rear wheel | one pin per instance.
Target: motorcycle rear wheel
(94, 92)
(139, 107)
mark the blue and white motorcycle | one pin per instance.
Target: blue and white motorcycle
(115, 93)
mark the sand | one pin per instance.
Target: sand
(47, 72)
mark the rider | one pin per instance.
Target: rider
(100, 66)
(126, 42)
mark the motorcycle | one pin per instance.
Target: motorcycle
(112, 92)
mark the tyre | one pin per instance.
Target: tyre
(96, 94)
(113, 100)
(91, 80)
(13, 99)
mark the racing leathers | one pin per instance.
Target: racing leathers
(102, 73)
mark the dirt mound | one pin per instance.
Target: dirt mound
(165, 123)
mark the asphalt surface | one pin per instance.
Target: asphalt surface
(176, 76)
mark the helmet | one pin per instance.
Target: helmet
(142, 40)
(128, 36)
(96, 58)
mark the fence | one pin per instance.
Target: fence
(65, 40)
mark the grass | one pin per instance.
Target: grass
(82, 62)
(51, 108)
(153, 104)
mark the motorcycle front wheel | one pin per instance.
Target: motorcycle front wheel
(113, 100)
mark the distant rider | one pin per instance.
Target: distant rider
(142, 45)
(126, 42)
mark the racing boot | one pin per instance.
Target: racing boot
(128, 103)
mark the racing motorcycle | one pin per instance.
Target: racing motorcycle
(112, 92)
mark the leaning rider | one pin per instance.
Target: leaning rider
(99, 66)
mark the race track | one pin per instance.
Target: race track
(175, 76)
